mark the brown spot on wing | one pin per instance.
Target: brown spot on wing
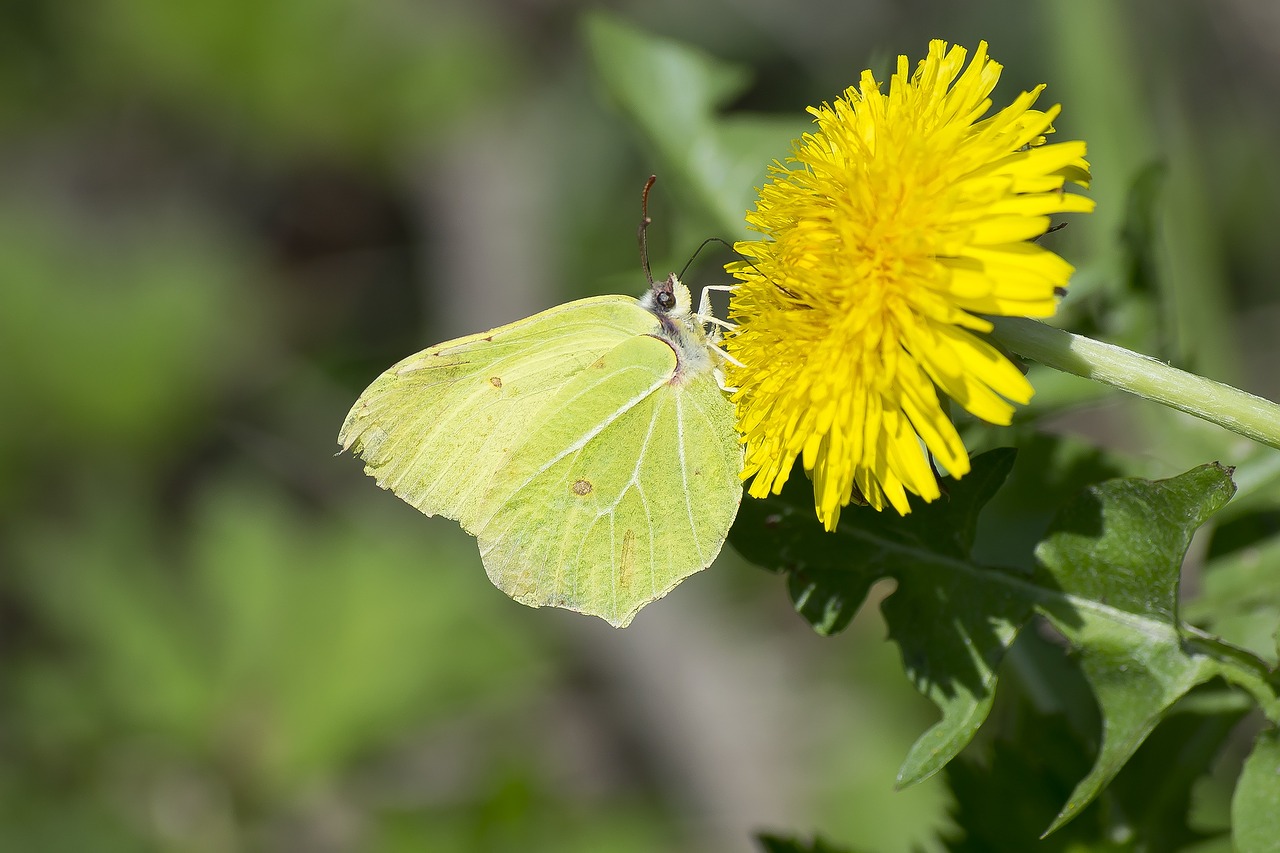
(495, 381)
(581, 487)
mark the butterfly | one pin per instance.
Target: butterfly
(591, 449)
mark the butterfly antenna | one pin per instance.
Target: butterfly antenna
(694, 257)
(746, 261)
(644, 226)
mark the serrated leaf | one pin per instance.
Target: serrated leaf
(1115, 553)
(1107, 580)
(952, 619)
(1255, 808)
(673, 93)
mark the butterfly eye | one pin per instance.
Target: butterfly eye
(666, 300)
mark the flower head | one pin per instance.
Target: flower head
(893, 225)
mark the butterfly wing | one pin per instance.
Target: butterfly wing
(627, 484)
(436, 427)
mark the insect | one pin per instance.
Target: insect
(591, 449)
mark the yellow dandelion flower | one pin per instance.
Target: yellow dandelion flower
(892, 226)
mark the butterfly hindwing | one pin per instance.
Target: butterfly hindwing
(627, 484)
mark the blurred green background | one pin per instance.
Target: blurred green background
(219, 221)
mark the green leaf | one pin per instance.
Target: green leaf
(952, 619)
(1004, 800)
(1005, 792)
(1107, 580)
(1255, 808)
(672, 93)
(1114, 554)
(1151, 798)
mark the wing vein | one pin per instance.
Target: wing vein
(684, 475)
(595, 430)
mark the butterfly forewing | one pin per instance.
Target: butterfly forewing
(628, 483)
(435, 427)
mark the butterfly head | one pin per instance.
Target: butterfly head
(671, 303)
(668, 298)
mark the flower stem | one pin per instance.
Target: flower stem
(1223, 405)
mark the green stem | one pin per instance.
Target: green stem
(1223, 405)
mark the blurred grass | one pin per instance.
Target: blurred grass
(218, 223)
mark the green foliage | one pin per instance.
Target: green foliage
(1105, 576)
(335, 75)
(1106, 580)
(141, 314)
(1232, 602)
(262, 635)
(1117, 552)
(953, 625)
(1256, 807)
(715, 159)
(1041, 741)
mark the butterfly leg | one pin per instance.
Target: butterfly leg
(704, 301)
(704, 306)
(719, 370)
(719, 375)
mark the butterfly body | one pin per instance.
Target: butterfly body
(588, 448)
